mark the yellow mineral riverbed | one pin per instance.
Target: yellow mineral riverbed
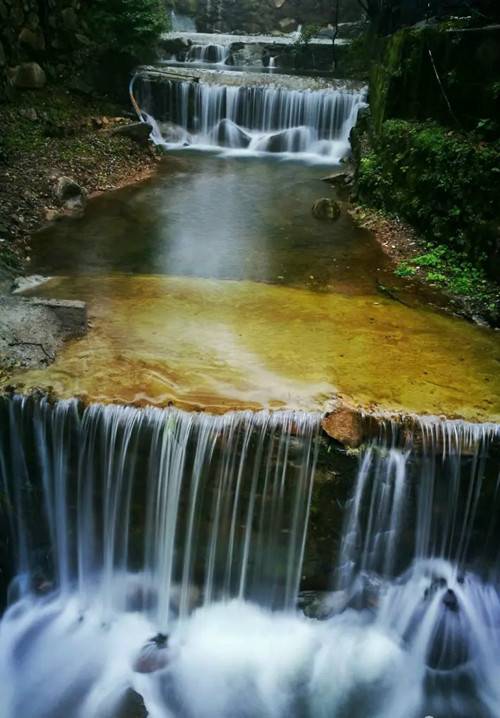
(222, 344)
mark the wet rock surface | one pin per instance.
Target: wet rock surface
(138, 131)
(33, 330)
(326, 209)
(70, 195)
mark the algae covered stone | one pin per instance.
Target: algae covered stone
(326, 208)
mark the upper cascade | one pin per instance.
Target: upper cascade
(250, 119)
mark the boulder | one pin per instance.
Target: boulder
(70, 19)
(228, 134)
(242, 55)
(345, 424)
(70, 194)
(71, 314)
(288, 24)
(131, 706)
(173, 134)
(29, 113)
(138, 131)
(28, 76)
(326, 208)
(32, 39)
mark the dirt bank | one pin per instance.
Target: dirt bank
(57, 132)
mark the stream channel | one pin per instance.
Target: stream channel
(185, 540)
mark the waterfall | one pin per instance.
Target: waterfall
(182, 23)
(252, 119)
(223, 503)
(162, 551)
(212, 54)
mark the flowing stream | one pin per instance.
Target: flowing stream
(162, 551)
(241, 564)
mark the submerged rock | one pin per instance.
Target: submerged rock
(326, 208)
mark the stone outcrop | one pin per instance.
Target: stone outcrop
(345, 425)
(138, 131)
(263, 16)
(33, 330)
(70, 195)
(28, 76)
(37, 33)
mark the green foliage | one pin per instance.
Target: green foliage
(127, 26)
(453, 271)
(445, 185)
(306, 34)
(357, 57)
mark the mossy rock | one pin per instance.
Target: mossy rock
(326, 209)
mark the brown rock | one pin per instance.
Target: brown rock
(138, 131)
(345, 424)
(326, 208)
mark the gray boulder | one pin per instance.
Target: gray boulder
(69, 194)
(28, 76)
(138, 131)
(228, 134)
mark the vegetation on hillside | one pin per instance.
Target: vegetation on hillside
(127, 26)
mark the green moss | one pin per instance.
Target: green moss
(452, 271)
(446, 185)
(439, 73)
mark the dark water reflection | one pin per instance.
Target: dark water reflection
(226, 219)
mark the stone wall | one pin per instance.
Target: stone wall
(45, 32)
(264, 16)
(438, 73)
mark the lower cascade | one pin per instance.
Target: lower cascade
(251, 119)
(164, 558)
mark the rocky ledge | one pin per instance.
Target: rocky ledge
(32, 330)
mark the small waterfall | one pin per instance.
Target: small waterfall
(420, 551)
(225, 502)
(128, 522)
(182, 23)
(208, 54)
(256, 119)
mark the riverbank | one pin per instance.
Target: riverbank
(467, 290)
(52, 133)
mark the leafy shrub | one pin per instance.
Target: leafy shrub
(444, 184)
(127, 26)
(452, 270)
